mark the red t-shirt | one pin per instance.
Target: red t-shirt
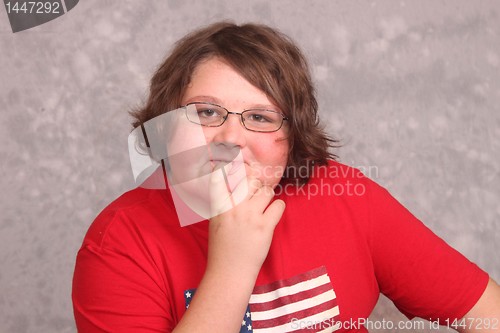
(340, 242)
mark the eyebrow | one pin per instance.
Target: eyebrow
(203, 98)
(214, 100)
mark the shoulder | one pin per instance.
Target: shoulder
(340, 180)
(334, 191)
(134, 211)
(335, 170)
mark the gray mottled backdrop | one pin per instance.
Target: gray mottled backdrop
(411, 87)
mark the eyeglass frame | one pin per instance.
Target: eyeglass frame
(242, 120)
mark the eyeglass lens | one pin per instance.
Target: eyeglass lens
(258, 120)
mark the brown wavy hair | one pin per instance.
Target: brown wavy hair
(267, 59)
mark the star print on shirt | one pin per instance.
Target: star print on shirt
(246, 323)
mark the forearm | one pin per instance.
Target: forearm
(485, 315)
(239, 241)
(219, 304)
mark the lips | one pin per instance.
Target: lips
(231, 167)
(223, 152)
(202, 160)
(221, 155)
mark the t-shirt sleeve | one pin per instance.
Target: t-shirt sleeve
(116, 284)
(416, 269)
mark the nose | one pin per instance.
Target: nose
(231, 133)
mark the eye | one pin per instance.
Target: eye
(207, 112)
(260, 117)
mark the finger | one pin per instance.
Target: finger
(220, 197)
(262, 197)
(241, 192)
(274, 211)
(254, 185)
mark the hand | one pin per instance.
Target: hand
(240, 237)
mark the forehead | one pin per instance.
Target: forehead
(215, 81)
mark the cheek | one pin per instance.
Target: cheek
(281, 152)
(271, 158)
(209, 133)
(274, 151)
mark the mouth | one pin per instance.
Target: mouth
(231, 167)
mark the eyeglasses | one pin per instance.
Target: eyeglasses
(255, 120)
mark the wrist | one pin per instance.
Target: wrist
(239, 273)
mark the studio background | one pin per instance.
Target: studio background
(412, 88)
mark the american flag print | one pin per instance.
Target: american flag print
(303, 303)
(246, 322)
